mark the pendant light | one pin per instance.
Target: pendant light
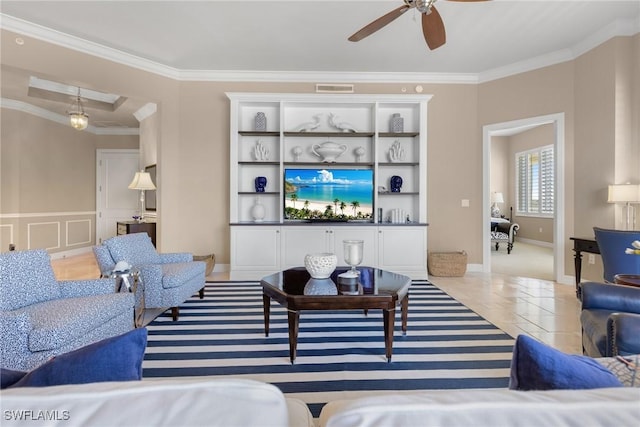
(77, 117)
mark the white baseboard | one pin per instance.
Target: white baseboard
(535, 242)
(222, 268)
(72, 252)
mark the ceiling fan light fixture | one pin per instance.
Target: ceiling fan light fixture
(78, 119)
(424, 6)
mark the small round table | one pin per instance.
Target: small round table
(627, 279)
(131, 281)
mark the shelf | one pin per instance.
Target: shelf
(330, 134)
(398, 134)
(401, 193)
(352, 164)
(258, 133)
(398, 164)
(255, 193)
(258, 163)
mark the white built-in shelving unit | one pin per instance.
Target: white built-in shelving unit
(275, 243)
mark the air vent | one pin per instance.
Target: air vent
(334, 88)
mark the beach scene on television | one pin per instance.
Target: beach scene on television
(328, 194)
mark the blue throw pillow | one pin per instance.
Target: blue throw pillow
(536, 366)
(9, 377)
(113, 359)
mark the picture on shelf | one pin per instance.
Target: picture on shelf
(328, 194)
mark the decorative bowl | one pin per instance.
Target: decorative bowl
(320, 266)
(329, 150)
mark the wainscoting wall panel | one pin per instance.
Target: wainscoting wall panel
(6, 236)
(57, 232)
(79, 232)
(43, 235)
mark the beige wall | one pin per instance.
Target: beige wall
(48, 182)
(499, 168)
(193, 136)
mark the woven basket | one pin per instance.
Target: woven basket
(210, 260)
(447, 264)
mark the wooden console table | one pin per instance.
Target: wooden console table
(580, 245)
(129, 227)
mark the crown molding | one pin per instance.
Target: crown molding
(330, 76)
(625, 27)
(48, 35)
(24, 107)
(145, 111)
(621, 27)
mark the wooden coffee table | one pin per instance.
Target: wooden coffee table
(378, 289)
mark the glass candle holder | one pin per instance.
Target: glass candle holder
(353, 251)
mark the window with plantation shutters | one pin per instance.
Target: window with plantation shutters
(535, 182)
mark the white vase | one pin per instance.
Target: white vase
(258, 211)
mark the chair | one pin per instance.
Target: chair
(612, 244)
(168, 279)
(610, 319)
(41, 317)
(504, 233)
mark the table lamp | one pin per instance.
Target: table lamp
(142, 181)
(626, 194)
(496, 197)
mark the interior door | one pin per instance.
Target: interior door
(114, 201)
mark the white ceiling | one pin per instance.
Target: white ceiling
(307, 40)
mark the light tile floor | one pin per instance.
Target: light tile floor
(543, 309)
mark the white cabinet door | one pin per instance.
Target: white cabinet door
(298, 241)
(255, 251)
(403, 250)
(367, 234)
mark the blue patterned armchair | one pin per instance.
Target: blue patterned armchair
(41, 317)
(169, 279)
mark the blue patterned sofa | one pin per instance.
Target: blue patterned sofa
(169, 279)
(41, 317)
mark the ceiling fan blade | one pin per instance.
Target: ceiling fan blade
(374, 26)
(433, 29)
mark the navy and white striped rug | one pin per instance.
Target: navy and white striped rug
(340, 353)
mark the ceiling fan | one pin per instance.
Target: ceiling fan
(432, 25)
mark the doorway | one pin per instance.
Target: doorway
(114, 201)
(512, 127)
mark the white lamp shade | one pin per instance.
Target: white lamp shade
(142, 181)
(623, 193)
(497, 197)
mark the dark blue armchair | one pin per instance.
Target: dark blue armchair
(612, 244)
(610, 319)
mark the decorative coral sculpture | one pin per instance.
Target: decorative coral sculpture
(260, 151)
(396, 152)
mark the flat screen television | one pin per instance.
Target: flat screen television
(328, 194)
